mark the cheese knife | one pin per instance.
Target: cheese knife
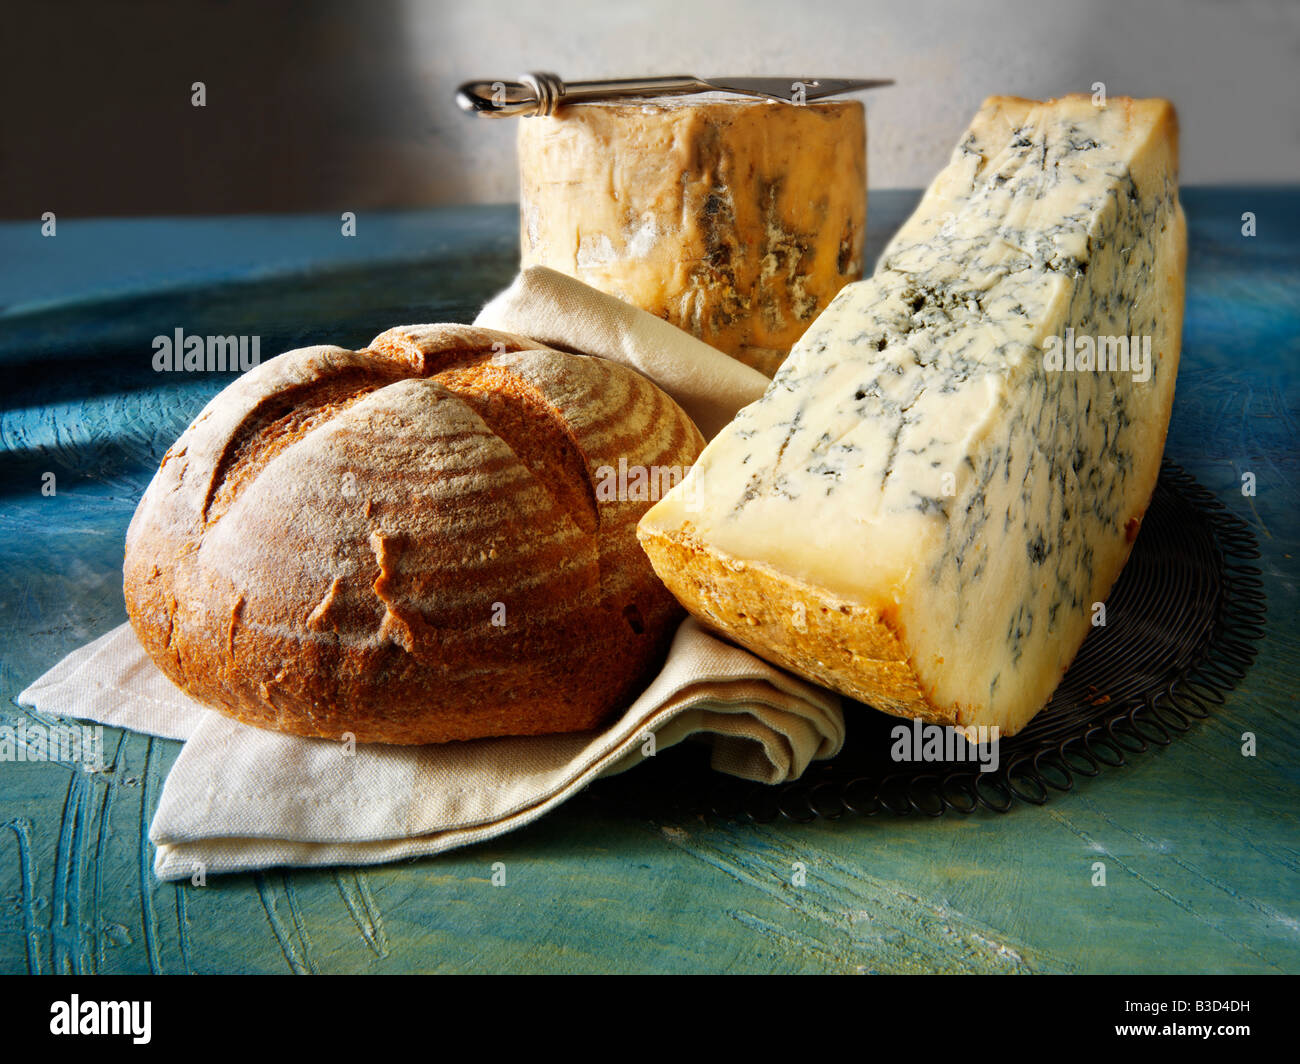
(541, 94)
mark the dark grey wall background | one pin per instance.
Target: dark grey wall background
(334, 105)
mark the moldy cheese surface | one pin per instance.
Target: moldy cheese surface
(736, 220)
(922, 509)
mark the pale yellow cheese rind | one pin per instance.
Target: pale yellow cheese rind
(735, 220)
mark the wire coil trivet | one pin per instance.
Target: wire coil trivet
(1183, 623)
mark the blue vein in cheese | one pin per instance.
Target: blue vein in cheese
(913, 451)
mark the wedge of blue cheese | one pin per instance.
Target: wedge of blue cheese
(923, 509)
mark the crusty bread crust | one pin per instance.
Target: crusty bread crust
(405, 544)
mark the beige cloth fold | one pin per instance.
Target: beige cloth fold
(240, 798)
(566, 314)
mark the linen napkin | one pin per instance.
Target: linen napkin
(566, 314)
(240, 798)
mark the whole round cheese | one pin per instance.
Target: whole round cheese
(735, 219)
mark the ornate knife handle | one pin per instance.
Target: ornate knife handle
(540, 94)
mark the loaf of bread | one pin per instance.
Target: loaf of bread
(414, 543)
(946, 477)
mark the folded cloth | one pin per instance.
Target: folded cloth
(239, 798)
(566, 314)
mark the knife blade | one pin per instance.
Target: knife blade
(541, 94)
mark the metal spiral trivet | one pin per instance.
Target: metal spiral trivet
(1183, 623)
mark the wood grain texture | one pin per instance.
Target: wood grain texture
(1201, 845)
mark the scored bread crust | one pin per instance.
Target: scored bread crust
(405, 544)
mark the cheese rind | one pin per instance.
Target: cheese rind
(736, 220)
(920, 512)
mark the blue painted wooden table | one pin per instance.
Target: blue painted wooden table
(1201, 844)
